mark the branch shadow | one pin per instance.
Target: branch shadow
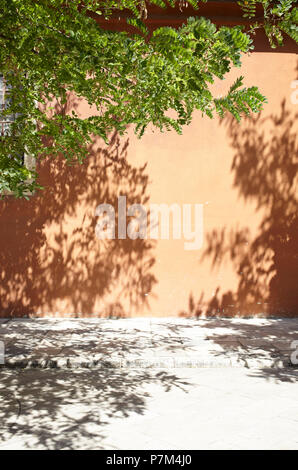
(63, 408)
(73, 408)
(265, 168)
(87, 339)
(257, 344)
(50, 252)
(265, 174)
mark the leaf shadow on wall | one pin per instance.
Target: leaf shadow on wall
(50, 254)
(265, 168)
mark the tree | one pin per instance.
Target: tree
(52, 48)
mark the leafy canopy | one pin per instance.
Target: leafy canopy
(52, 48)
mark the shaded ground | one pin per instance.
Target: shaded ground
(148, 384)
(145, 342)
(147, 409)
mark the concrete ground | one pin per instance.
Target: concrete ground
(148, 384)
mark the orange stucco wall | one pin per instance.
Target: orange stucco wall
(245, 175)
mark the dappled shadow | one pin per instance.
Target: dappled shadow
(66, 408)
(58, 409)
(254, 341)
(265, 346)
(51, 259)
(265, 174)
(278, 375)
(89, 340)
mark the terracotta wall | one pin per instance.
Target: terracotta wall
(245, 175)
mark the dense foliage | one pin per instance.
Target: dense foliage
(52, 48)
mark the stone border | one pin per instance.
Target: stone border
(139, 363)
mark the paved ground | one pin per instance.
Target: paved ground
(149, 342)
(229, 408)
(151, 384)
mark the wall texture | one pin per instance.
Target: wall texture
(245, 175)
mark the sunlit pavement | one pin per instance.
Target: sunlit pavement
(168, 342)
(148, 409)
(148, 384)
